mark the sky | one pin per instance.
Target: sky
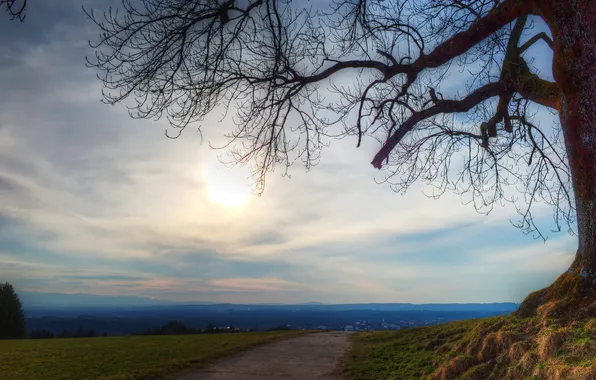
(95, 202)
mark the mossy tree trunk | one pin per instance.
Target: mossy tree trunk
(573, 24)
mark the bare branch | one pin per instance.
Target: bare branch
(290, 76)
(15, 8)
(538, 90)
(442, 106)
(540, 36)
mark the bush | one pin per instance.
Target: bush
(172, 328)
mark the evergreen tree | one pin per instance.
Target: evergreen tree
(12, 317)
(79, 333)
(41, 334)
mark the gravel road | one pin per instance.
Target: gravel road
(308, 357)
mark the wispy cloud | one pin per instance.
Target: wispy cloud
(252, 284)
(94, 201)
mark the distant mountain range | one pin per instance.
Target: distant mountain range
(35, 300)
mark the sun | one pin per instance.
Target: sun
(226, 186)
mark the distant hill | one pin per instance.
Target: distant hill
(35, 300)
(504, 307)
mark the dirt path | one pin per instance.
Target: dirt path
(309, 357)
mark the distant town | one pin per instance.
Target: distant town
(365, 325)
(103, 319)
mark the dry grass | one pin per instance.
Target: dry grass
(489, 349)
(495, 343)
(517, 351)
(591, 324)
(493, 348)
(583, 373)
(570, 297)
(549, 342)
(456, 366)
(527, 362)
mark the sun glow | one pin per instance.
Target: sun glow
(225, 186)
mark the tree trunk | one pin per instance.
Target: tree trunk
(573, 24)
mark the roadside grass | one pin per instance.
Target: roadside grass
(120, 358)
(404, 354)
(491, 348)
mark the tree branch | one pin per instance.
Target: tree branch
(536, 38)
(536, 89)
(481, 29)
(388, 56)
(467, 7)
(442, 106)
(489, 129)
(16, 8)
(380, 66)
(455, 46)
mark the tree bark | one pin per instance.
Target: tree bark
(573, 24)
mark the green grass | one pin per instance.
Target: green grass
(138, 357)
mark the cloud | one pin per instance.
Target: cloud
(94, 201)
(535, 258)
(252, 284)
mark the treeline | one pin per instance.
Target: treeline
(170, 328)
(177, 328)
(280, 328)
(79, 333)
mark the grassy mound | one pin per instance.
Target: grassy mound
(138, 357)
(571, 296)
(491, 348)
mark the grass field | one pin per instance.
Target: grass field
(405, 354)
(138, 357)
(491, 348)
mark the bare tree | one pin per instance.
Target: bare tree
(297, 74)
(15, 8)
